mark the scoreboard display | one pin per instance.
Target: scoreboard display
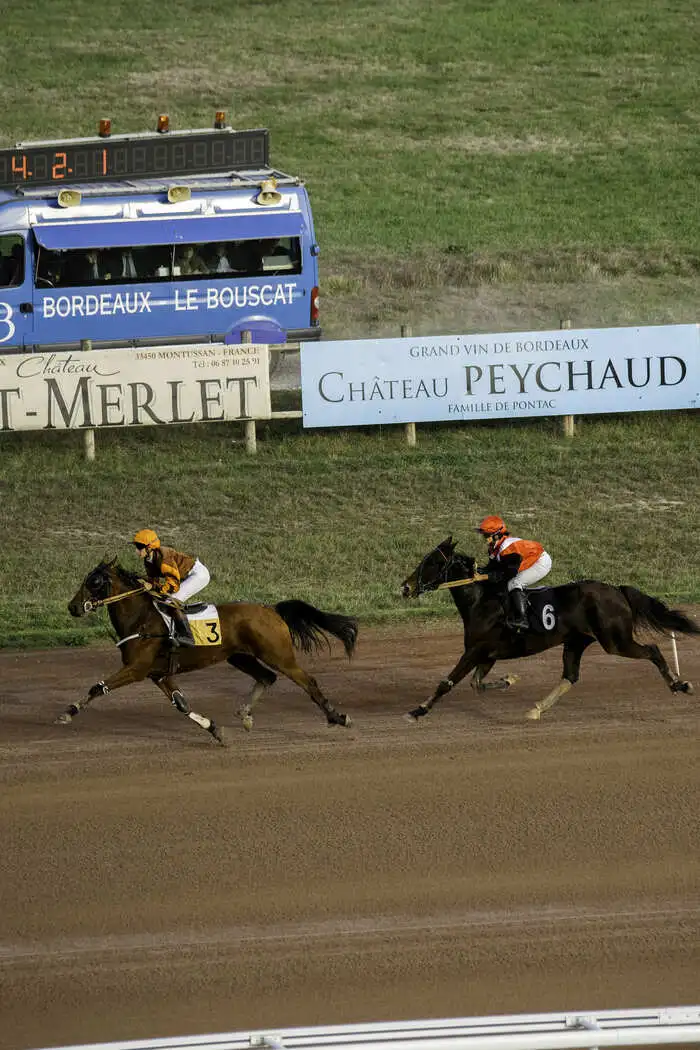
(142, 156)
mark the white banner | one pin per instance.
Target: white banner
(145, 386)
(564, 372)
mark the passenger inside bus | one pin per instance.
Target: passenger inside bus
(220, 262)
(89, 267)
(188, 262)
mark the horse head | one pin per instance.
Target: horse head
(106, 579)
(438, 565)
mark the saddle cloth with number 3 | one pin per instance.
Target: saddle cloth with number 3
(204, 623)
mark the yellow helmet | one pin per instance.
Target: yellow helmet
(146, 538)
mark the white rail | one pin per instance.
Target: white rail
(561, 1031)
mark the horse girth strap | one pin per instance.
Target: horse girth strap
(461, 583)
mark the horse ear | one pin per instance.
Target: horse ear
(109, 562)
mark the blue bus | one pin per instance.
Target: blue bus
(154, 238)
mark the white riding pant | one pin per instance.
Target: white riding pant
(529, 577)
(195, 580)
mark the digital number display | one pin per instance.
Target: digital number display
(141, 156)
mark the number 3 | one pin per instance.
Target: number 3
(213, 635)
(6, 319)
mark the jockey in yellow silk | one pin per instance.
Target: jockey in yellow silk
(172, 573)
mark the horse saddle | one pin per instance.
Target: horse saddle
(164, 601)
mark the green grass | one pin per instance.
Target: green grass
(497, 126)
(339, 518)
(490, 165)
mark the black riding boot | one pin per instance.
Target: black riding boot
(183, 635)
(517, 617)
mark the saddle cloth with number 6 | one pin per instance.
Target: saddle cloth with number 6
(542, 612)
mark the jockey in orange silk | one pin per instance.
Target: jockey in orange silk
(523, 563)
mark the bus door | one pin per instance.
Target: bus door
(16, 306)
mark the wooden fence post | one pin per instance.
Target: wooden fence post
(88, 435)
(409, 428)
(251, 445)
(568, 421)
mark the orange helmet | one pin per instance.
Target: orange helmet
(492, 526)
(146, 538)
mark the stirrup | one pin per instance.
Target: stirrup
(181, 642)
(515, 624)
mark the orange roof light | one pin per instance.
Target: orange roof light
(220, 119)
(105, 129)
(163, 123)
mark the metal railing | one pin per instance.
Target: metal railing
(678, 1025)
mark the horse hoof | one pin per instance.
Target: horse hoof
(246, 717)
(410, 718)
(339, 720)
(416, 713)
(218, 735)
(510, 679)
(683, 687)
(534, 714)
(63, 719)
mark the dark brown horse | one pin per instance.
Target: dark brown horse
(256, 639)
(573, 615)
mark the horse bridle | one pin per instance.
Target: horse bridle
(91, 605)
(419, 571)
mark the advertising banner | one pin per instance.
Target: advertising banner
(514, 374)
(145, 386)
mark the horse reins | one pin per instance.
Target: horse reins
(97, 603)
(477, 578)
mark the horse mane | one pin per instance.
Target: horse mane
(464, 561)
(132, 579)
(126, 576)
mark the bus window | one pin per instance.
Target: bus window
(11, 260)
(167, 262)
(154, 262)
(281, 255)
(49, 268)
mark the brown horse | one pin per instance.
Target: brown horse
(256, 639)
(573, 615)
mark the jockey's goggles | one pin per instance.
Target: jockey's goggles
(141, 546)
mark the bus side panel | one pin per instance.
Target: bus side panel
(207, 307)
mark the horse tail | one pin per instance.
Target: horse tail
(652, 613)
(309, 626)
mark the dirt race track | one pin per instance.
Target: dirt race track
(477, 863)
